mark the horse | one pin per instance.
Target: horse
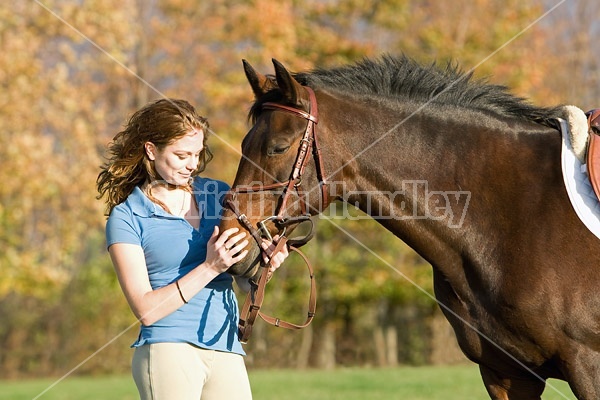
(466, 174)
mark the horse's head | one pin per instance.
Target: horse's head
(280, 180)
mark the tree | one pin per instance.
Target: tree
(73, 72)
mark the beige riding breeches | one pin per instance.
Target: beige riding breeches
(167, 371)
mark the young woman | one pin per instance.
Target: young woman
(170, 258)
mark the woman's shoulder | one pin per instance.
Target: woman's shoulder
(123, 208)
(210, 185)
(123, 223)
(135, 204)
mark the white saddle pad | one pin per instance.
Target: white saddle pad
(582, 196)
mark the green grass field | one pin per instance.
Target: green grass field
(411, 383)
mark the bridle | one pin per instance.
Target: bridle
(308, 144)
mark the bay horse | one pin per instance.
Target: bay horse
(465, 173)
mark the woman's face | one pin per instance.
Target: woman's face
(178, 160)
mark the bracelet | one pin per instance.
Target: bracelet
(180, 293)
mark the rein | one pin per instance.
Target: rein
(256, 296)
(308, 144)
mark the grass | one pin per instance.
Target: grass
(413, 383)
(72, 388)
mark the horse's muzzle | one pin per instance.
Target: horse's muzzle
(248, 267)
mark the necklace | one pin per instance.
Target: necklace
(181, 213)
(148, 191)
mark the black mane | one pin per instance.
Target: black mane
(404, 78)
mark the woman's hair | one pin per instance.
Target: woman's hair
(161, 122)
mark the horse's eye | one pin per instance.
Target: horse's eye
(278, 149)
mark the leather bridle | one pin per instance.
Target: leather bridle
(308, 144)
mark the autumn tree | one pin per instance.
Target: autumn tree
(72, 72)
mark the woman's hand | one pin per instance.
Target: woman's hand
(276, 259)
(224, 250)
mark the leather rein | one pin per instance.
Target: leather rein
(308, 144)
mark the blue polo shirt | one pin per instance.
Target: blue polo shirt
(172, 248)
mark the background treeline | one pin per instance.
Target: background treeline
(71, 72)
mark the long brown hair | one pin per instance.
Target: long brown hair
(161, 122)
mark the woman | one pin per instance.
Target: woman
(170, 258)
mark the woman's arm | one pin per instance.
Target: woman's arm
(151, 305)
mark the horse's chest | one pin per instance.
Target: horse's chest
(486, 325)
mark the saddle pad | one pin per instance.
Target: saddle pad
(582, 196)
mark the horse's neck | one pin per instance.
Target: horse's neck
(428, 179)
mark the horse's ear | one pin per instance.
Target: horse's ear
(260, 83)
(287, 84)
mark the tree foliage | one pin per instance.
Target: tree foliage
(72, 72)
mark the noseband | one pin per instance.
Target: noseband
(308, 144)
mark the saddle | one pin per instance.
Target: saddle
(593, 150)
